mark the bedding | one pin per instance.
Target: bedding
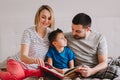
(114, 64)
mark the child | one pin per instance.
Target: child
(59, 55)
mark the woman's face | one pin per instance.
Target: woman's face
(45, 18)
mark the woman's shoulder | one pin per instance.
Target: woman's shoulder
(30, 29)
(49, 30)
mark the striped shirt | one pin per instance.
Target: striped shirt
(38, 46)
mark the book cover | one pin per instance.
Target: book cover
(69, 73)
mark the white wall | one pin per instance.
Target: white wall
(17, 15)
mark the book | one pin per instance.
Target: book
(69, 73)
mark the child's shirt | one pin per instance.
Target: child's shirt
(61, 60)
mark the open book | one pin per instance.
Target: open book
(69, 73)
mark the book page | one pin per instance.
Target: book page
(71, 71)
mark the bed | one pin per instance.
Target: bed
(112, 62)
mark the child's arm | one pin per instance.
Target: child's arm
(50, 61)
(71, 64)
(58, 70)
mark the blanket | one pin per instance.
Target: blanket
(112, 71)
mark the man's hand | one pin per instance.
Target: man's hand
(85, 71)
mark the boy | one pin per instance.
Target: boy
(59, 55)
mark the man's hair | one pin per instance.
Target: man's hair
(52, 36)
(82, 19)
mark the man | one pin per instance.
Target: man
(90, 47)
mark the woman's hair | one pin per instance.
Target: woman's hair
(37, 16)
(83, 19)
(53, 35)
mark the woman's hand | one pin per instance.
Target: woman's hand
(39, 61)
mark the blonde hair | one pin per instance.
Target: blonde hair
(37, 16)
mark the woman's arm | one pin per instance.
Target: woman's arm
(29, 60)
(24, 55)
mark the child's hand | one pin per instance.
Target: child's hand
(61, 71)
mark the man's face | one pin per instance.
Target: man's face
(78, 31)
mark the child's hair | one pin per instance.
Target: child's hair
(52, 36)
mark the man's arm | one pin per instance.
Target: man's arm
(86, 71)
(102, 58)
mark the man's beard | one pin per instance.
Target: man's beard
(78, 37)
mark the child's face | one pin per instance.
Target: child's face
(60, 40)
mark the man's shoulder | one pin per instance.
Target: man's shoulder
(97, 34)
(68, 34)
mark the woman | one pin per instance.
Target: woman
(34, 46)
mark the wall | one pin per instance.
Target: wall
(17, 15)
